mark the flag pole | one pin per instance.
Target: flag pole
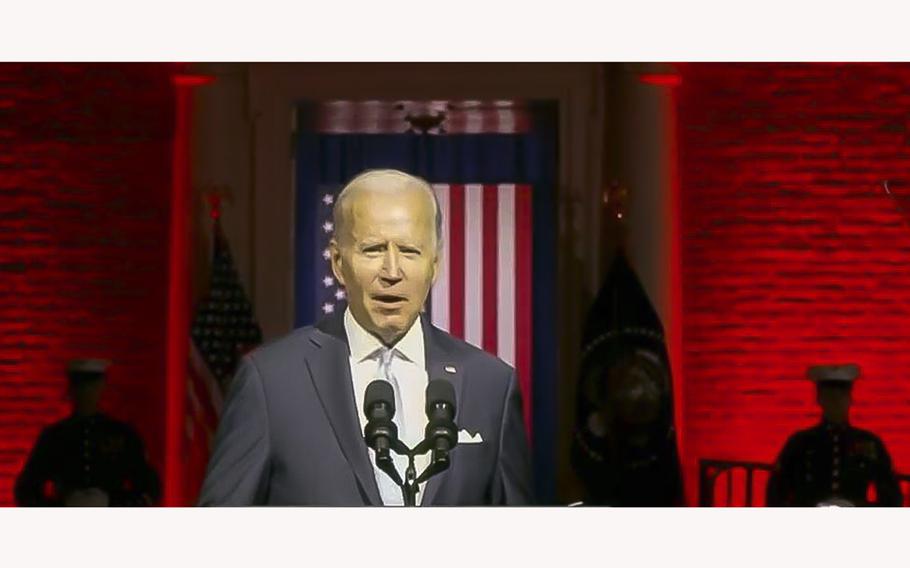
(178, 304)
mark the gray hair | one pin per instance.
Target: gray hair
(406, 179)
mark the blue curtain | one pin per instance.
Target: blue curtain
(330, 160)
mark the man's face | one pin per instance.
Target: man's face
(835, 402)
(387, 260)
(86, 395)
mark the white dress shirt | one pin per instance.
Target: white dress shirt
(408, 366)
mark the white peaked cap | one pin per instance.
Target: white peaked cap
(97, 366)
(834, 373)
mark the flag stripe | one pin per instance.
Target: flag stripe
(202, 379)
(439, 299)
(523, 276)
(505, 284)
(490, 262)
(473, 123)
(505, 120)
(456, 261)
(473, 264)
(372, 116)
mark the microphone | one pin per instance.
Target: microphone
(380, 432)
(441, 432)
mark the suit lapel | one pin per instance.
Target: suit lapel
(330, 371)
(441, 365)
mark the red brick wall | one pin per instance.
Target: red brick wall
(84, 191)
(792, 252)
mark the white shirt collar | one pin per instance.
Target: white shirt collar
(364, 345)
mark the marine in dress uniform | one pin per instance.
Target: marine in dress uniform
(87, 459)
(833, 463)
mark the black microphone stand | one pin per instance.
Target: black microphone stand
(410, 485)
(440, 435)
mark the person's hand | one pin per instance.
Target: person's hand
(92, 497)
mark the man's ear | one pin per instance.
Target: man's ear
(436, 267)
(335, 252)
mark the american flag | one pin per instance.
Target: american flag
(483, 291)
(224, 328)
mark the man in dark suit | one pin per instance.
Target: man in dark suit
(292, 428)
